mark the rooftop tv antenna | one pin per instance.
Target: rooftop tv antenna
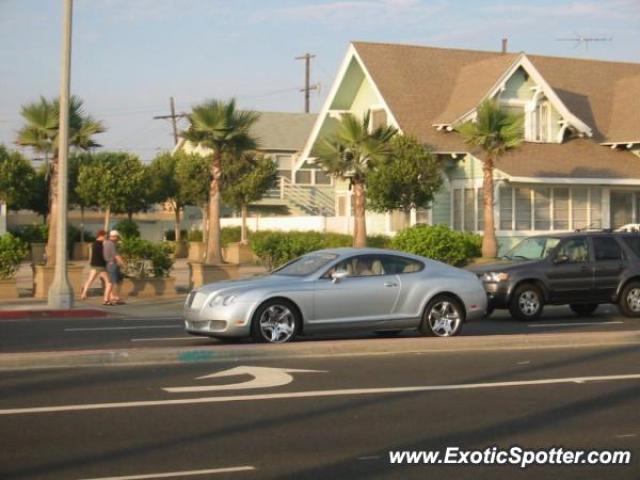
(582, 40)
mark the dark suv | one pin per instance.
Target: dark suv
(581, 269)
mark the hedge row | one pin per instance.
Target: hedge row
(12, 251)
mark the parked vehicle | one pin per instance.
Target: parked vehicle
(336, 290)
(581, 269)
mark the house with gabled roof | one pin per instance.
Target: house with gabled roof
(300, 191)
(579, 164)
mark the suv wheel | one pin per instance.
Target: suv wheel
(583, 309)
(526, 303)
(629, 302)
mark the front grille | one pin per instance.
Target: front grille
(213, 325)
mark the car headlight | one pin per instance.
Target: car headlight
(494, 277)
(222, 300)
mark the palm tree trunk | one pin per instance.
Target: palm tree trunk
(489, 242)
(107, 218)
(214, 250)
(52, 219)
(360, 224)
(205, 223)
(81, 224)
(176, 228)
(243, 228)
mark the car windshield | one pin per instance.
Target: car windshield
(305, 265)
(533, 248)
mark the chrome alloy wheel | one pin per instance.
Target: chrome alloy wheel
(529, 302)
(444, 319)
(277, 324)
(633, 300)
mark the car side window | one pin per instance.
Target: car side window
(397, 265)
(359, 266)
(575, 250)
(606, 248)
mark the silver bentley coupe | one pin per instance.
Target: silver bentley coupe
(338, 290)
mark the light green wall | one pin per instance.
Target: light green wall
(518, 87)
(349, 87)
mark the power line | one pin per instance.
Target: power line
(174, 118)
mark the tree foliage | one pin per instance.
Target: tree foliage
(117, 181)
(17, 178)
(193, 175)
(247, 178)
(408, 178)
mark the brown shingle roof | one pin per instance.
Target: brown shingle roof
(577, 158)
(425, 85)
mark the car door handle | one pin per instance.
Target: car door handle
(390, 284)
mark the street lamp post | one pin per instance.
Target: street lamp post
(60, 293)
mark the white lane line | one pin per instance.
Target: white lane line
(161, 339)
(315, 393)
(137, 327)
(181, 474)
(571, 324)
(626, 435)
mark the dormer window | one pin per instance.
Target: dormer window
(540, 120)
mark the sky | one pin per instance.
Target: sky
(130, 56)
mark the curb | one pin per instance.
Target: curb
(311, 349)
(40, 314)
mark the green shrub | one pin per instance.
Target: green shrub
(127, 228)
(170, 235)
(230, 235)
(37, 233)
(195, 236)
(12, 251)
(276, 248)
(438, 243)
(146, 259)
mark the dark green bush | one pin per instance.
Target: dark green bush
(146, 259)
(127, 228)
(170, 235)
(230, 235)
(438, 242)
(276, 248)
(37, 233)
(12, 251)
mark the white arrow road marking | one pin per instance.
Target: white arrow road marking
(181, 474)
(316, 394)
(263, 377)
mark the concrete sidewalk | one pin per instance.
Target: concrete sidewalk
(158, 307)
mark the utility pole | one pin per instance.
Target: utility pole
(307, 79)
(60, 292)
(174, 118)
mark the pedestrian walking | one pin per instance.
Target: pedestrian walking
(98, 267)
(114, 265)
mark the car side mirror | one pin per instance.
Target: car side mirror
(561, 259)
(337, 276)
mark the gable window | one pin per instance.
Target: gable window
(378, 118)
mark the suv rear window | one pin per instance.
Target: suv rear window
(606, 248)
(633, 243)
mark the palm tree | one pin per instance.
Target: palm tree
(494, 132)
(219, 127)
(40, 132)
(350, 153)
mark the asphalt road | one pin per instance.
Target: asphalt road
(74, 334)
(313, 427)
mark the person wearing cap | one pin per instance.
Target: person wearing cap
(114, 263)
(98, 267)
